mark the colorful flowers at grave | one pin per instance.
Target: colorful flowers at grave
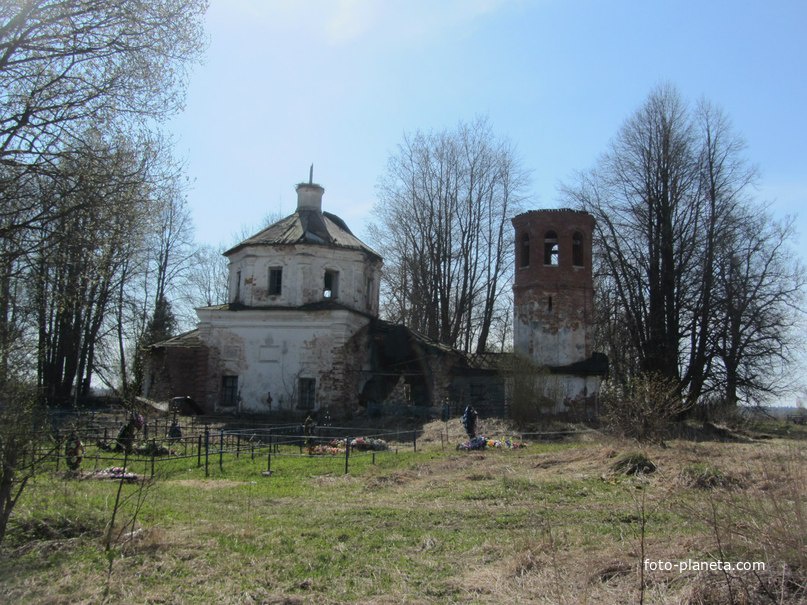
(114, 473)
(481, 442)
(367, 444)
(337, 446)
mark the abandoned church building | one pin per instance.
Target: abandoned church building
(301, 330)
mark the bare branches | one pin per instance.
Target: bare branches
(691, 270)
(443, 215)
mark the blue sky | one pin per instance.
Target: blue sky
(338, 82)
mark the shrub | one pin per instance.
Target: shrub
(706, 476)
(535, 391)
(634, 463)
(643, 407)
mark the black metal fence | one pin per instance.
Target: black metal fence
(206, 445)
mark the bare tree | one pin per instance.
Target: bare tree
(206, 283)
(672, 199)
(82, 83)
(759, 292)
(78, 270)
(67, 63)
(443, 229)
(22, 421)
(641, 198)
(70, 68)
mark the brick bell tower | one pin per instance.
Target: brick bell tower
(553, 288)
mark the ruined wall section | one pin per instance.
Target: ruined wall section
(342, 383)
(177, 372)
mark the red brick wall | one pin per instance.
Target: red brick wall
(554, 304)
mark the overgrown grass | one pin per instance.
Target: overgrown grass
(428, 527)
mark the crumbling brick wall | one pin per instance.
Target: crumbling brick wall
(178, 372)
(553, 289)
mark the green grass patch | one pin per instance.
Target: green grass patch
(411, 526)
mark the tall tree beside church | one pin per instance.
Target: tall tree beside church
(68, 68)
(671, 196)
(443, 229)
(75, 277)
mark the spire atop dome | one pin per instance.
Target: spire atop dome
(309, 195)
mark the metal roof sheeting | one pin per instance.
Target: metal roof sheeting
(307, 227)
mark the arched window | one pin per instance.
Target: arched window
(524, 253)
(551, 249)
(577, 249)
(331, 285)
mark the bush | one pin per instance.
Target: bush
(643, 408)
(706, 476)
(535, 391)
(22, 420)
(634, 463)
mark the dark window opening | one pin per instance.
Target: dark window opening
(237, 297)
(305, 398)
(229, 391)
(577, 249)
(331, 288)
(551, 249)
(275, 281)
(479, 392)
(525, 251)
(549, 304)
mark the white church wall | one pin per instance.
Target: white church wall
(303, 274)
(270, 350)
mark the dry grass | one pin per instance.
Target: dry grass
(550, 524)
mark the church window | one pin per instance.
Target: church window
(331, 286)
(275, 281)
(237, 297)
(551, 249)
(577, 249)
(229, 391)
(306, 392)
(525, 250)
(369, 293)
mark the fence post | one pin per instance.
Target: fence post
(347, 454)
(415, 440)
(238, 445)
(207, 451)
(269, 461)
(58, 451)
(199, 452)
(221, 449)
(153, 454)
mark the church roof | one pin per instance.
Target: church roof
(307, 227)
